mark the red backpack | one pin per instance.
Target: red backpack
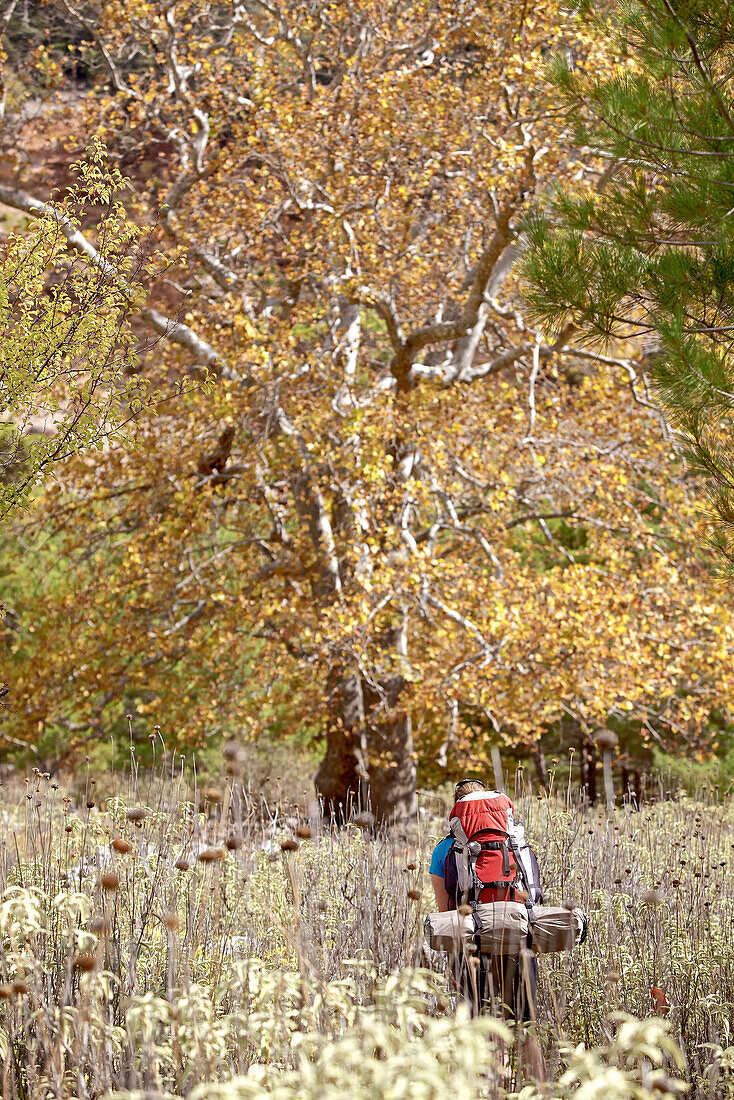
(485, 862)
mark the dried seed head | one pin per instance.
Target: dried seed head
(233, 842)
(121, 846)
(606, 739)
(211, 855)
(303, 832)
(99, 926)
(182, 865)
(231, 750)
(19, 987)
(289, 845)
(171, 922)
(85, 961)
(90, 805)
(6, 991)
(110, 881)
(410, 867)
(414, 895)
(365, 820)
(68, 828)
(137, 813)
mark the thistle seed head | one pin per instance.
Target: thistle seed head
(85, 961)
(211, 855)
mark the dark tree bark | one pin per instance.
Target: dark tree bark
(342, 778)
(626, 792)
(540, 766)
(369, 761)
(590, 755)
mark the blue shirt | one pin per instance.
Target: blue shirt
(439, 855)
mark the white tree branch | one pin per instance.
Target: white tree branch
(170, 329)
(310, 502)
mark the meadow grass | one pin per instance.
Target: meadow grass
(176, 940)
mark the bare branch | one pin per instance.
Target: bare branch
(310, 504)
(471, 322)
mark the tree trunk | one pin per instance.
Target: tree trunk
(540, 766)
(341, 779)
(369, 761)
(392, 783)
(608, 778)
(626, 791)
(590, 751)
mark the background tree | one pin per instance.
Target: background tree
(650, 254)
(69, 355)
(399, 520)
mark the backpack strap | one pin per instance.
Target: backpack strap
(498, 846)
(466, 862)
(528, 891)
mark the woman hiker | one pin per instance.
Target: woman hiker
(503, 984)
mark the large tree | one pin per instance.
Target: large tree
(397, 518)
(650, 255)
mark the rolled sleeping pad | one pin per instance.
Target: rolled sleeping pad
(503, 926)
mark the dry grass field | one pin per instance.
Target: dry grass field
(170, 941)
